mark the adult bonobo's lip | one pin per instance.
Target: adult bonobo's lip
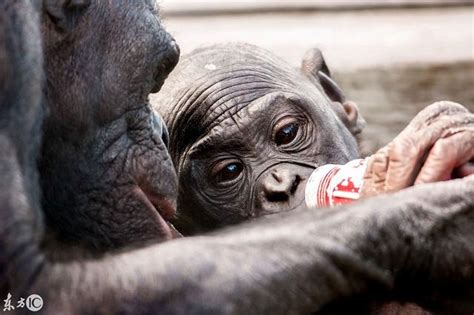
(168, 60)
(167, 210)
(163, 207)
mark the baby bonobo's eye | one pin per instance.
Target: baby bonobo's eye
(285, 131)
(226, 171)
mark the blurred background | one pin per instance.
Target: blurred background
(393, 57)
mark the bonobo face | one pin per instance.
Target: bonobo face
(246, 132)
(106, 173)
(258, 160)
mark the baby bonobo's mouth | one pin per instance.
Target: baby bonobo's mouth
(163, 207)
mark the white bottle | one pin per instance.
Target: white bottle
(333, 184)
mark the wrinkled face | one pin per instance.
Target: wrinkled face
(106, 173)
(257, 161)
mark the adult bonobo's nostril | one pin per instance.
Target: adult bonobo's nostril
(168, 60)
(172, 56)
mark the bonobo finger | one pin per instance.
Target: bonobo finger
(407, 151)
(404, 155)
(432, 112)
(374, 177)
(368, 179)
(446, 155)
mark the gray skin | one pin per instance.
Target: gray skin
(247, 130)
(417, 242)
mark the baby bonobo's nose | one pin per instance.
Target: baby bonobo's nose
(281, 188)
(280, 184)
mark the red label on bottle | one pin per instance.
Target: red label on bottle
(332, 184)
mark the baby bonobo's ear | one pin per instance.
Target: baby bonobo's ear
(315, 68)
(63, 12)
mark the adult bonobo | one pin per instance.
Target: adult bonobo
(104, 160)
(247, 130)
(304, 262)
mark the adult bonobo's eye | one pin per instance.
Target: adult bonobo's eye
(226, 171)
(285, 131)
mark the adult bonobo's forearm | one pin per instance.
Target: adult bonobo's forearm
(417, 244)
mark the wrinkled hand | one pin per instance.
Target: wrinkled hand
(438, 143)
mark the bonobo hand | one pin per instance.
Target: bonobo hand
(437, 145)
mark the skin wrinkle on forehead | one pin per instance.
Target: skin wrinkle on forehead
(213, 141)
(260, 63)
(202, 116)
(196, 118)
(238, 104)
(213, 82)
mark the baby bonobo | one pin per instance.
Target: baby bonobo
(247, 130)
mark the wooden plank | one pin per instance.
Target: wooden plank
(348, 39)
(212, 7)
